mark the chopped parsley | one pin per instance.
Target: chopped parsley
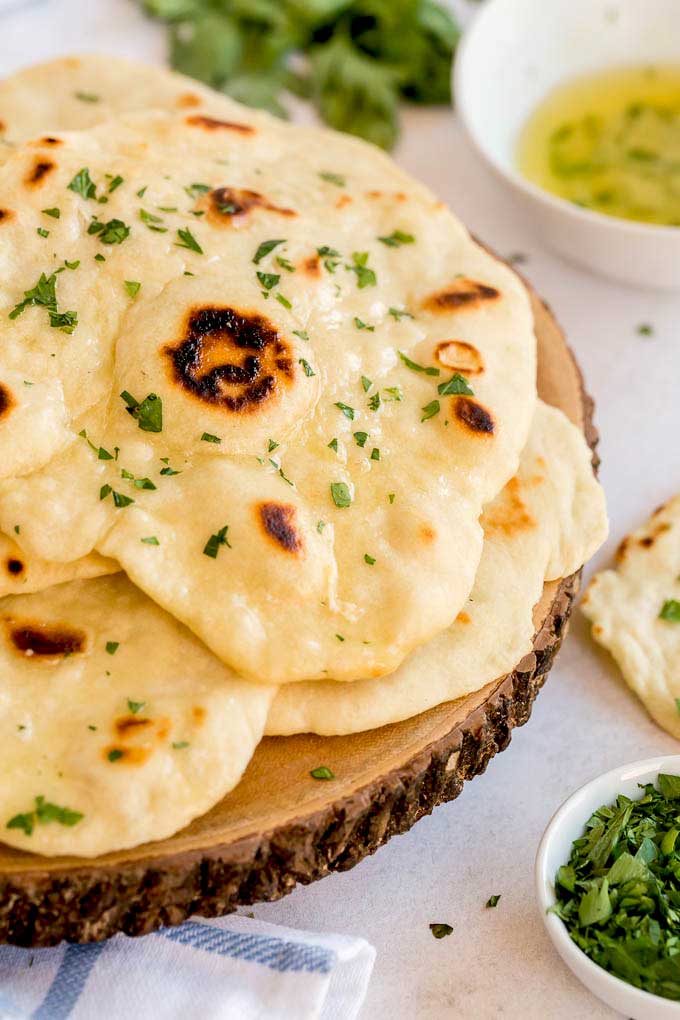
(645, 329)
(132, 287)
(375, 453)
(114, 182)
(87, 97)
(285, 264)
(115, 755)
(415, 367)
(493, 901)
(179, 745)
(135, 706)
(152, 221)
(399, 313)
(440, 931)
(148, 412)
(119, 499)
(44, 295)
(374, 402)
(283, 301)
(430, 410)
(365, 276)
(194, 190)
(83, 185)
(361, 438)
(306, 367)
(363, 325)
(346, 410)
(618, 893)
(303, 334)
(207, 437)
(272, 445)
(151, 540)
(670, 611)
(366, 383)
(330, 256)
(456, 384)
(333, 445)
(397, 238)
(187, 240)
(341, 495)
(102, 453)
(337, 179)
(394, 393)
(54, 213)
(391, 496)
(268, 280)
(370, 560)
(42, 232)
(212, 546)
(265, 248)
(43, 813)
(322, 772)
(113, 232)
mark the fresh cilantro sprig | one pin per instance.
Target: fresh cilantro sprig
(363, 56)
(619, 893)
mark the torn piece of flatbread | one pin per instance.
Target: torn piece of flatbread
(635, 613)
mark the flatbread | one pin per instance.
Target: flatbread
(625, 607)
(113, 710)
(544, 524)
(21, 574)
(78, 92)
(299, 397)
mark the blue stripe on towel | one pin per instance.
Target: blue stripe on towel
(272, 952)
(69, 981)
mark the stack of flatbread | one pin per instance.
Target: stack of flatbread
(271, 454)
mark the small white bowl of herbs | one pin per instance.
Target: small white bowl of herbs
(608, 885)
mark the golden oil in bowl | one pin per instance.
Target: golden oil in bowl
(610, 142)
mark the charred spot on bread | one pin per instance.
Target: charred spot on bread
(462, 293)
(40, 169)
(474, 416)
(230, 359)
(279, 523)
(14, 567)
(6, 401)
(45, 640)
(226, 205)
(212, 124)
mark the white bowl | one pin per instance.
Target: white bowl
(565, 826)
(511, 56)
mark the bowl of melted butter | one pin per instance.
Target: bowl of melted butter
(576, 104)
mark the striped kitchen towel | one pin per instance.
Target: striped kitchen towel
(234, 968)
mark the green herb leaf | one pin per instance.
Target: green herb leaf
(207, 437)
(150, 540)
(83, 184)
(306, 367)
(112, 647)
(132, 287)
(54, 213)
(399, 313)
(337, 179)
(361, 438)
(147, 412)
(268, 280)
(363, 325)
(440, 931)
(365, 276)
(322, 772)
(493, 901)
(415, 367)
(341, 494)
(430, 410)
(670, 611)
(457, 384)
(265, 248)
(370, 560)
(87, 97)
(397, 238)
(187, 240)
(135, 706)
(212, 546)
(346, 410)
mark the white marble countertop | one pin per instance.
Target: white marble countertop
(497, 963)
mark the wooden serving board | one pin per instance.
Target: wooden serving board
(280, 827)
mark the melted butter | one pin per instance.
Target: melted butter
(610, 142)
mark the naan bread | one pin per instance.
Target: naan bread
(635, 612)
(333, 450)
(21, 574)
(113, 711)
(73, 93)
(544, 524)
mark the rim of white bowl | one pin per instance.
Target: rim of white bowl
(459, 81)
(574, 957)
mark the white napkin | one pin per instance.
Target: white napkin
(235, 968)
